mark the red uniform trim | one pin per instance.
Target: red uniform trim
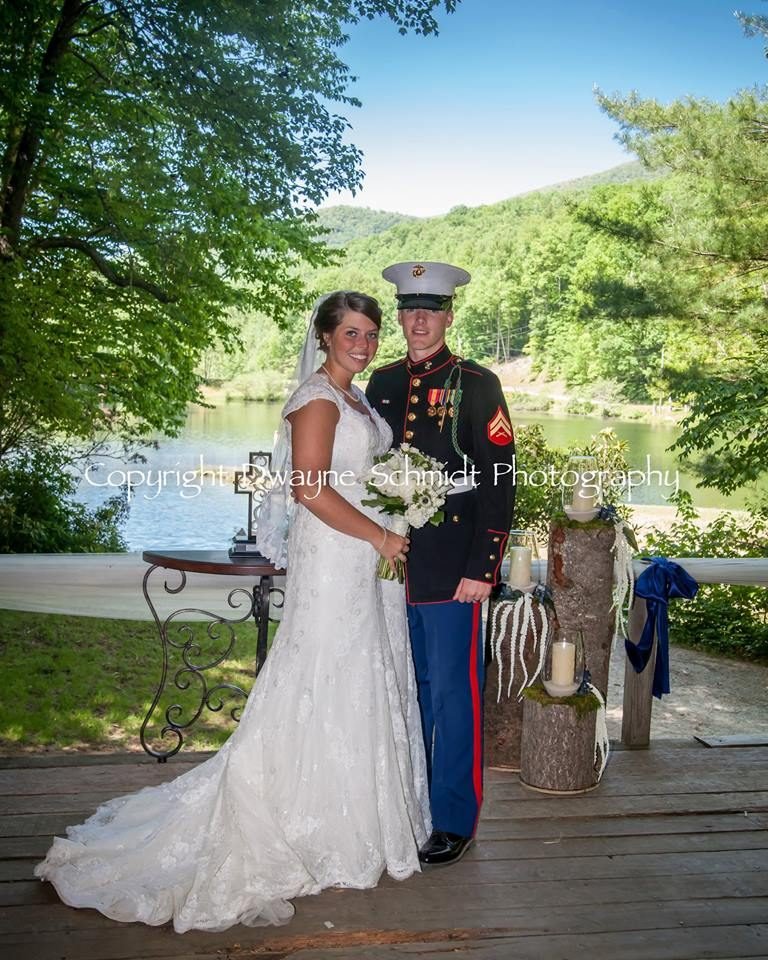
(502, 544)
(477, 717)
(388, 366)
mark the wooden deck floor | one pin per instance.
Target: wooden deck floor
(666, 860)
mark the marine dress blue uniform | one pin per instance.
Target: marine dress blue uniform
(454, 410)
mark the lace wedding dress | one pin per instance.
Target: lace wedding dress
(322, 783)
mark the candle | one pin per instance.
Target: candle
(584, 494)
(519, 567)
(563, 663)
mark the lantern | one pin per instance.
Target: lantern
(563, 663)
(522, 552)
(582, 495)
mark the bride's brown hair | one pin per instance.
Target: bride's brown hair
(331, 311)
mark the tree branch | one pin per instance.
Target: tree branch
(102, 265)
(26, 155)
(91, 66)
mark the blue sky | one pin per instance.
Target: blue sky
(502, 101)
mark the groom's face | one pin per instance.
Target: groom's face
(424, 330)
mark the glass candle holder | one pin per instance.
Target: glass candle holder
(582, 492)
(563, 664)
(522, 552)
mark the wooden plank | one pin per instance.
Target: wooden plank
(530, 805)
(55, 824)
(518, 849)
(612, 846)
(64, 780)
(674, 944)
(548, 828)
(353, 914)
(638, 687)
(595, 804)
(735, 740)
(33, 760)
(472, 870)
(77, 805)
(647, 931)
(747, 781)
(17, 869)
(26, 892)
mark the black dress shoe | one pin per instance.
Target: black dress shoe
(443, 848)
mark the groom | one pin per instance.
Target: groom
(454, 410)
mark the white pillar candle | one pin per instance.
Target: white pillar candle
(519, 567)
(563, 663)
(584, 494)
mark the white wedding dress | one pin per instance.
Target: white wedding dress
(323, 782)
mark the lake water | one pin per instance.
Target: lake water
(180, 509)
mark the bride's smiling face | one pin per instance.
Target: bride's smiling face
(353, 343)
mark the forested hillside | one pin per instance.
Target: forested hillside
(543, 282)
(344, 223)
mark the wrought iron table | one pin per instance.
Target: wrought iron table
(176, 635)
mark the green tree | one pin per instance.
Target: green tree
(158, 167)
(709, 235)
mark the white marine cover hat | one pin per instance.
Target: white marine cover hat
(425, 283)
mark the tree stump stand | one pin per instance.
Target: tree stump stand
(503, 720)
(557, 751)
(580, 578)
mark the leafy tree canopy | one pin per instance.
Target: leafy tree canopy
(159, 164)
(705, 230)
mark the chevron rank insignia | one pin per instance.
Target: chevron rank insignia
(500, 429)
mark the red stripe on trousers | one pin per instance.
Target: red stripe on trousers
(477, 732)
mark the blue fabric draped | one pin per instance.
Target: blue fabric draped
(658, 584)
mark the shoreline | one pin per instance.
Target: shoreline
(525, 392)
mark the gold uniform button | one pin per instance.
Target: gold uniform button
(416, 382)
(409, 434)
(495, 539)
(492, 556)
(411, 417)
(414, 398)
(489, 576)
(455, 518)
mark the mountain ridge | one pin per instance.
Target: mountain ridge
(345, 223)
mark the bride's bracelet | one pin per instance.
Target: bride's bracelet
(383, 540)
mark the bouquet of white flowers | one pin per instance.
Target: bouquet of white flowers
(411, 487)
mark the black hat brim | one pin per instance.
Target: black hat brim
(428, 301)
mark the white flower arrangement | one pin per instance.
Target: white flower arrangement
(411, 486)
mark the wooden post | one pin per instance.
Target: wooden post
(638, 687)
(503, 721)
(558, 745)
(580, 576)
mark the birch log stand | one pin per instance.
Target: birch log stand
(558, 739)
(558, 743)
(503, 720)
(580, 577)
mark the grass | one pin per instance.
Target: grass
(85, 683)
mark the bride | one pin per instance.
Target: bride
(323, 783)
